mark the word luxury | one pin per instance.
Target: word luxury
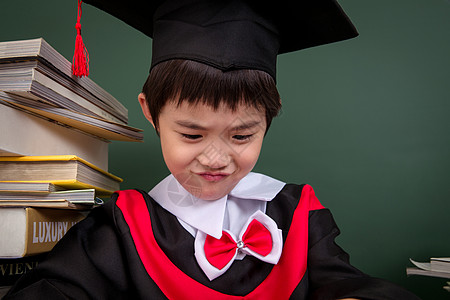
(50, 232)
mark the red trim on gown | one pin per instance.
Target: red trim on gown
(279, 284)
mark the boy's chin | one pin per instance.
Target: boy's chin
(201, 189)
(211, 198)
(210, 195)
(211, 191)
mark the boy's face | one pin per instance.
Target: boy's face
(209, 151)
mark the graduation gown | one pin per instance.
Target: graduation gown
(132, 248)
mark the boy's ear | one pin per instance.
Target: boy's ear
(145, 109)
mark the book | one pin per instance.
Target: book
(418, 271)
(437, 264)
(440, 264)
(28, 231)
(27, 198)
(39, 49)
(29, 187)
(96, 126)
(33, 84)
(22, 134)
(51, 203)
(437, 267)
(20, 73)
(11, 269)
(67, 171)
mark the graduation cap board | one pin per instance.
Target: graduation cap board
(234, 34)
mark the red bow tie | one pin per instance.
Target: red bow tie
(219, 252)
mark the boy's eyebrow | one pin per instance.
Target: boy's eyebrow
(190, 125)
(247, 125)
(195, 126)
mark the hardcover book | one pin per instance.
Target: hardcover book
(29, 231)
(22, 134)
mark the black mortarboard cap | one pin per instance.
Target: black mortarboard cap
(232, 34)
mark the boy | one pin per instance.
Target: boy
(152, 247)
(211, 229)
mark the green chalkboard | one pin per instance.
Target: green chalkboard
(365, 122)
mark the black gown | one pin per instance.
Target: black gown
(132, 248)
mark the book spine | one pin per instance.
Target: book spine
(45, 227)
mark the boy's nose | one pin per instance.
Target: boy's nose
(214, 156)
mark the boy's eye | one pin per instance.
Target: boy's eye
(242, 137)
(191, 136)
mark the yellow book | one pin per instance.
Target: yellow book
(67, 171)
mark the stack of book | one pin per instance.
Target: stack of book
(55, 129)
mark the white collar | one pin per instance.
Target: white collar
(206, 215)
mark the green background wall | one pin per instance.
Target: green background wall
(365, 121)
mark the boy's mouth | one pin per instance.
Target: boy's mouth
(208, 176)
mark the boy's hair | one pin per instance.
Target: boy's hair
(194, 82)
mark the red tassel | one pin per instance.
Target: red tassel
(80, 62)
